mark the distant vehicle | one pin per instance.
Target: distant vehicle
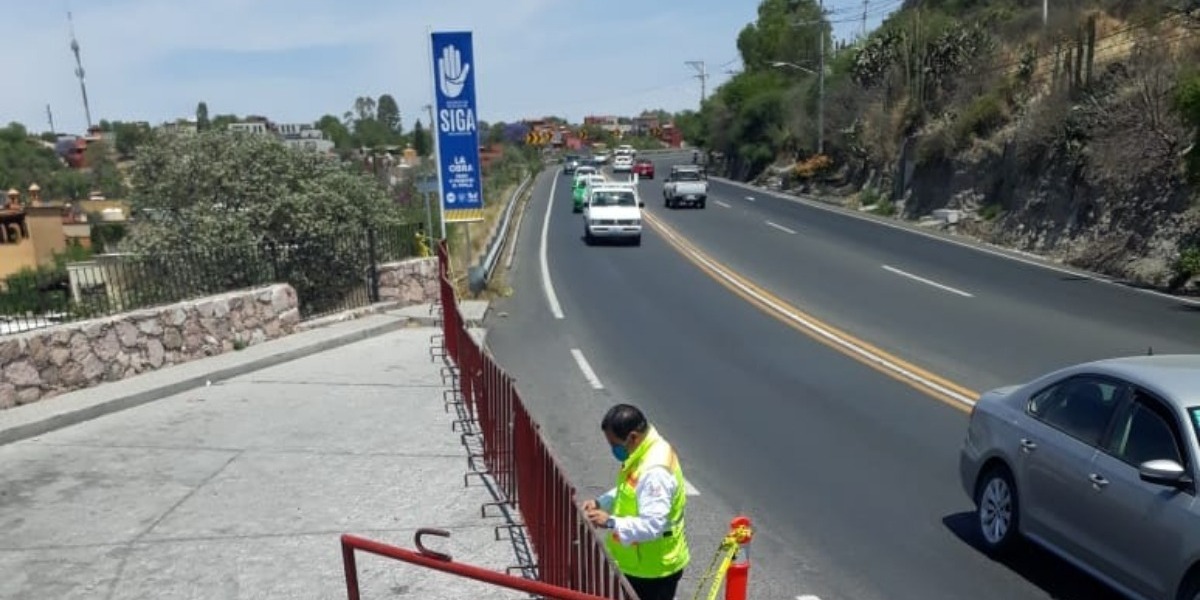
(644, 167)
(626, 150)
(613, 211)
(570, 163)
(583, 170)
(600, 158)
(685, 185)
(622, 163)
(580, 189)
(1099, 463)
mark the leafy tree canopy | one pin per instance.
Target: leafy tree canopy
(221, 188)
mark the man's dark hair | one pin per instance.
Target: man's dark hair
(624, 419)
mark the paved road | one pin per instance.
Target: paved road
(973, 317)
(849, 474)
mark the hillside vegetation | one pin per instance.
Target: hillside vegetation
(1074, 138)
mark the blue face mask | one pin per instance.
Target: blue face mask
(619, 452)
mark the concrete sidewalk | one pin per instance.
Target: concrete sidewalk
(241, 489)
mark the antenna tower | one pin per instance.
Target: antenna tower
(87, 109)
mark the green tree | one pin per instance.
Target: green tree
(223, 121)
(103, 174)
(1187, 104)
(129, 137)
(387, 112)
(421, 141)
(336, 132)
(785, 31)
(202, 121)
(494, 133)
(260, 210)
(225, 188)
(25, 160)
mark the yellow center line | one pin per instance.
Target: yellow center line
(919, 378)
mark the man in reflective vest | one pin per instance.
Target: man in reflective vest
(643, 514)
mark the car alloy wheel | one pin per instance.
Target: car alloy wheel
(996, 510)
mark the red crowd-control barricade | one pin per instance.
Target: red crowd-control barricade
(569, 552)
(438, 561)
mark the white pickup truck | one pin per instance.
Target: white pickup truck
(613, 211)
(685, 185)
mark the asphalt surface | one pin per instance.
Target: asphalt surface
(1018, 321)
(850, 475)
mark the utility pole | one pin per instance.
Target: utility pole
(866, 4)
(1045, 13)
(821, 83)
(50, 117)
(432, 129)
(702, 75)
(87, 110)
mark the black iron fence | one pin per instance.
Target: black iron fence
(330, 274)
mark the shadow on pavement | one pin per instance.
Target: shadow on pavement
(1055, 576)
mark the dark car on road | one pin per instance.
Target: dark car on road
(570, 163)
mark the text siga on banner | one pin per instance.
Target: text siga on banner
(457, 127)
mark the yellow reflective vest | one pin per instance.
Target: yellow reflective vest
(668, 553)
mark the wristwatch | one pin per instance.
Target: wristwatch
(611, 523)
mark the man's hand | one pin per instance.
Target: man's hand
(597, 517)
(589, 506)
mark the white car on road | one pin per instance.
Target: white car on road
(613, 211)
(622, 164)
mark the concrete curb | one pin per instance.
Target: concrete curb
(64, 411)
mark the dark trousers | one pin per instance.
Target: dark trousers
(661, 588)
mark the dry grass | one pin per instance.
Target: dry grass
(479, 233)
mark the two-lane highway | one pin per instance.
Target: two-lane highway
(963, 312)
(849, 474)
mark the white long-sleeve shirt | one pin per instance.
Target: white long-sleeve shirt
(655, 489)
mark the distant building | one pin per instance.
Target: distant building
(181, 126)
(618, 126)
(252, 127)
(646, 123)
(304, 136)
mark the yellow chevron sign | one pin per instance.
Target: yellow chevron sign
(539, 138)
(464, 215)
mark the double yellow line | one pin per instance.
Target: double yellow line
(921, 379)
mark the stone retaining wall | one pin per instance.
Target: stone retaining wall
(40, 364)
(409, 282)
(43, 363)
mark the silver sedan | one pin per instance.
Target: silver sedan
(1098, 464)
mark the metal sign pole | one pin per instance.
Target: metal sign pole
(437, 151)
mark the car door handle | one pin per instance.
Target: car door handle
(1097, 480)
(1028, 445)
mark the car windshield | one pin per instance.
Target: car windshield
(614, 198)
(687, 176)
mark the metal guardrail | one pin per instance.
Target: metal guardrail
(479, 275)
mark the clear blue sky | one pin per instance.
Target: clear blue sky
(294, 60)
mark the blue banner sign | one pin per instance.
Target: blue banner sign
(459, 174)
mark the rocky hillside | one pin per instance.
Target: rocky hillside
(1070, 137)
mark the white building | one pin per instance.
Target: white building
(308, 143)
(258, 127)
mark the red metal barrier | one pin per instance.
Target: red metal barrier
(570, 553)
(443, 562)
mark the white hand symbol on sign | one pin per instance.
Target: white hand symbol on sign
(452, 72)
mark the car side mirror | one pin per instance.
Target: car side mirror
(1164, 472)
(641, 205)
